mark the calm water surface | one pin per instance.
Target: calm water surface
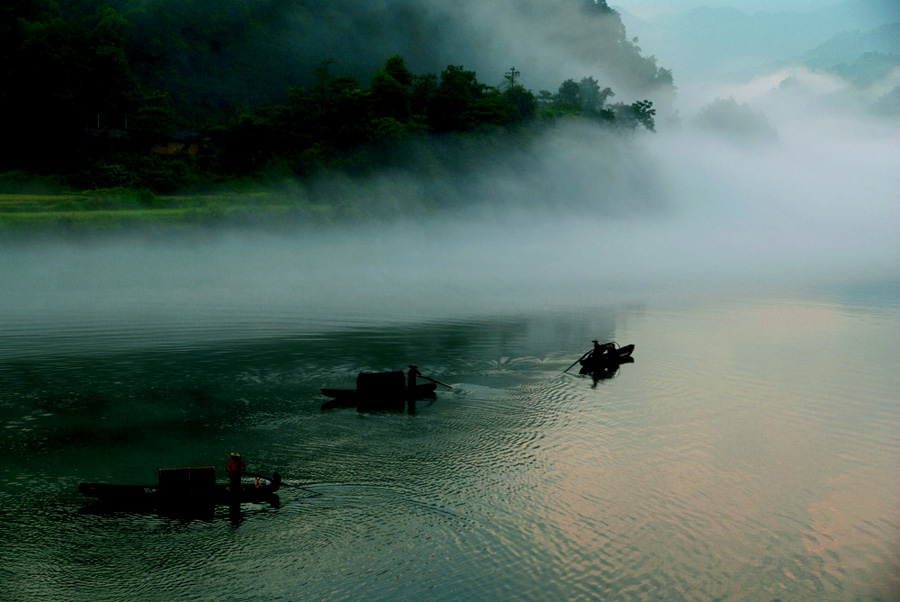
(751, 452)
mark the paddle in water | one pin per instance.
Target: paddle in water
(576, 361)
(278, 478)
(437, 382)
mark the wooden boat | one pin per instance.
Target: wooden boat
(617, 355)
(351, 396)
(183, 489)
(378, 391)
(598, 373)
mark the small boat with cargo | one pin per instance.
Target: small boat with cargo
(611, 356)
(380, 392)
(184, 488)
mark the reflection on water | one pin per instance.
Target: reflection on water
(750, 452)
(604, 372)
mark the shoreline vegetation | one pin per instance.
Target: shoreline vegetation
(114, 209)
(120, 130)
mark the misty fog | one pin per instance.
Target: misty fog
(582, 218)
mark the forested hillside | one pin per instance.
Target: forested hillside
(158, 94)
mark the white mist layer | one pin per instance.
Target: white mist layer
(670, 215)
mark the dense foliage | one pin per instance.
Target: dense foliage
(121, 98)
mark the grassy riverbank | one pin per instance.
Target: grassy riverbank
(108, 210)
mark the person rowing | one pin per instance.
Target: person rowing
(413, 372)
(597, 353)
(601, 352)
(411, 375)
(235, 469)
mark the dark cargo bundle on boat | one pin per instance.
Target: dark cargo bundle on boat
(378, 391)
(189, 479)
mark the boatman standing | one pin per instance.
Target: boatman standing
(235, 469)
(411, 375)
(604, 351)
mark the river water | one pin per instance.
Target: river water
(750, 452)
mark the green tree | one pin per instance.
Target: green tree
(544, 99)
(347, 121)
(63, 70)
(521, 101)
(424, 89)
(639, 113)
(396, 68)
(592, 97)
(568, 97)
(343, 114)
(391, 91)
(456, 93)
(460, 101)
(644, 113)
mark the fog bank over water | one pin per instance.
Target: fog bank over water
(789, 184)
(684, 212)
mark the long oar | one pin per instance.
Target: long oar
(437, 382)
(282, 483)
(576, 361)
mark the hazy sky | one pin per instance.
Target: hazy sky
(648, 8)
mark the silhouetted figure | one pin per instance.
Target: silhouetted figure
(235, 469)
(411, 375)
(602, 352)
(606, 351)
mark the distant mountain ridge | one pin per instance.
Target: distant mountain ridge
(719, 42)
(849, 46)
